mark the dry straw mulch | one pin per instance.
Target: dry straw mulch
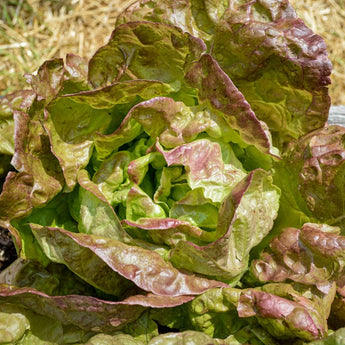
(32, 31)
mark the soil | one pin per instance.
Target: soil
(7, 249)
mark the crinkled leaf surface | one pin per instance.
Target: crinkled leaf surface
(86, 312)
(97, 259)
(90, 113)
(246, 216)
(312, 255)
(128, 49)
(139, 178)
(139, 50)
(315, 166)
(205, 168)
(218, 90)
(92, 211)
(274, 59)
(286, 312)
(39, 173)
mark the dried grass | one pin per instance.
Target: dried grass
(32, 31)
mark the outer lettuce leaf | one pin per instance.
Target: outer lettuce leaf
(39, 173)
(246, 217)
(98, 259)
(86, 312)
(336, 338)
(48, 79)
(189, 16)
(139, 50)
(20, 100)
(278, 63)
(62, 249)
(286, 311)
(315, 164)
(167, 230)
(56, 77)
(313, 255)
(285, 81)
(126, 56)
(218, 90)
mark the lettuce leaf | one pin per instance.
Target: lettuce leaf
(246, 217)
(274, 59)
(177, 188)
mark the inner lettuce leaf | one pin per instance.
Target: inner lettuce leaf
(205, 168)
(92, 212)
(273, 58)
(246, 217)
(91, 113)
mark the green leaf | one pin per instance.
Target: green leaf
(205, 168)
(105, 263)
(285, 80)
(39, 173)
(139, 50)
(337, 337)
(288, 311)
(92, 211)
(12, 327)
(245, 218)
